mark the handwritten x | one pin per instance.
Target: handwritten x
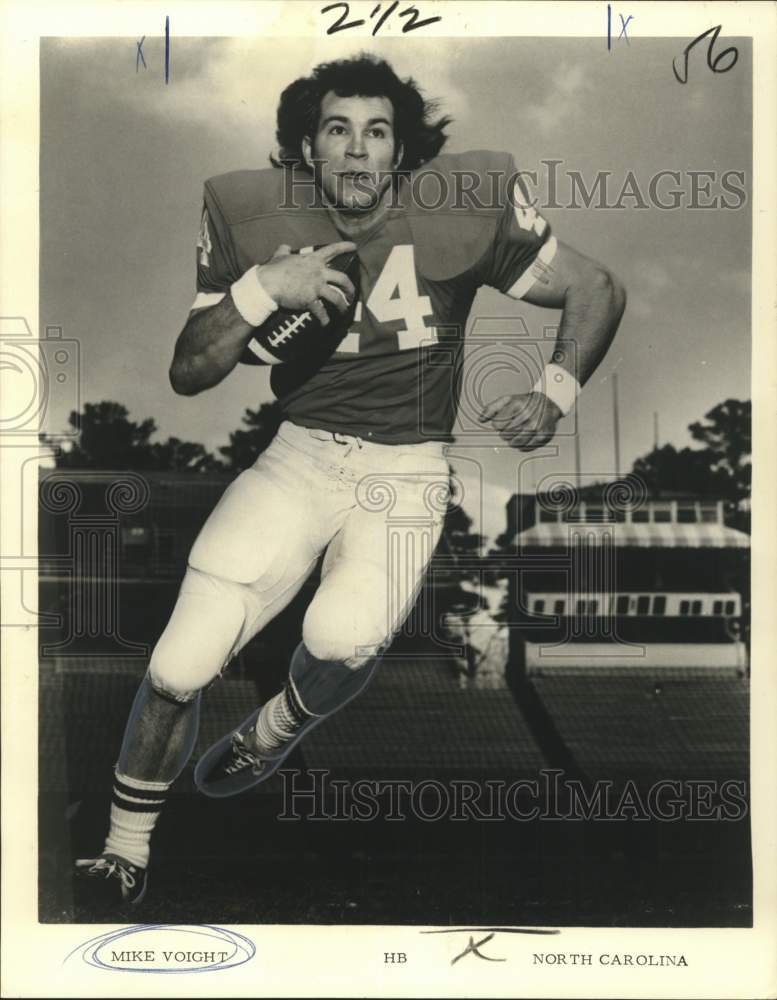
(472, 948)
(624, 24)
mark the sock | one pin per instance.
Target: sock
(280, 720)
(135, 808)
(314, 688)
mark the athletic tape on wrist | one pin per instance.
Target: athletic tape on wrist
(251, 300)
(559, 386)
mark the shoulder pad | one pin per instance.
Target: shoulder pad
(454, 203)
(246, 194)
(257, 208)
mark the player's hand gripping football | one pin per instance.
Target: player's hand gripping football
(525, 421)
(303, 281)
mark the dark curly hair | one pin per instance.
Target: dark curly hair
(362, 76)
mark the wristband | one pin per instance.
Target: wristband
(251, 300)
(559, 386)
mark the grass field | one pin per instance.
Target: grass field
(236, 861)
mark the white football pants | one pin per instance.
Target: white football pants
(376, 510)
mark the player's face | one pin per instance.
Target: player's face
(356, 148)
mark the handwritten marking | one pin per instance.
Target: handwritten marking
(339, 24)
(382, 20)
(139, 57)
(624, 33)
(496, 930)
(472, 949)
(473, 945)
(414, 23)
(712, 64)
(167, 49)
(342, 24)
(100, 953)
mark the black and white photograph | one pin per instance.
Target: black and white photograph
(388, 568)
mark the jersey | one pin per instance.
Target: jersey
(395, 376)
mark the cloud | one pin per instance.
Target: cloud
(235, 83)
(484, 499)
(654, 276)
(648, 282)
(739, 280)
(651, 282)
(567, 85)
(639, 307)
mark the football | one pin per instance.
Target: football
(288, 335)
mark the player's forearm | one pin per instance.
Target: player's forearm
(592, 312)
(208, 347)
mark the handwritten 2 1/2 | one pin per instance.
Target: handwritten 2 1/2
(342, 24)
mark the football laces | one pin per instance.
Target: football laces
(288, 329)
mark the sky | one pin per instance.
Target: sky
(124, 156)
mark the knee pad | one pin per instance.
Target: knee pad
(199, 640)
(160, 685)
(342, 632)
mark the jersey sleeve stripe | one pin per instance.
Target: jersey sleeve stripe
(204, 300)
(527, 279)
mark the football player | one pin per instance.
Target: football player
(365, 428)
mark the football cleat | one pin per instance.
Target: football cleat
(112, 881)
(234, 764)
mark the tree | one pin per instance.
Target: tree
(456, 565)
(720, 469)
(109, 439)
(246, 445)
(184, 456)
(727, 440)
(456, 529)
(684, 471)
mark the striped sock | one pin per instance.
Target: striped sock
(280, 720)
(135, 808)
